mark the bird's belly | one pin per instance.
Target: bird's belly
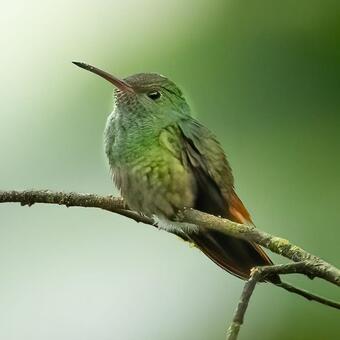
(156, 185)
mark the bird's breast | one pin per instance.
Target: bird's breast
(153, 181)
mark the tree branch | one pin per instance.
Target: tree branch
(72, 199)
(249, 286)
(305, 263)
(260, 273)
(315, 266)
(307, 295)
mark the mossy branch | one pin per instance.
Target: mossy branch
(305, 263)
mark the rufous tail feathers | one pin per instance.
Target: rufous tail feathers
(234, 255)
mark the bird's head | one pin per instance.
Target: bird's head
(145, 95)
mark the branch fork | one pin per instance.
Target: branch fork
(303, 262)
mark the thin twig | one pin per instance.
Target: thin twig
(259, 274)
(248, 289)
(305, 263)
(309, 296)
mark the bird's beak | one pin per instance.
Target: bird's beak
(119, 83)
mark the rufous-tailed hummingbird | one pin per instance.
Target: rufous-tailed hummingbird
(164, 160)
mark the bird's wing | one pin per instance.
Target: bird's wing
(208, 162)
(216, 195)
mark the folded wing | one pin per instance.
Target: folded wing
(215, 195)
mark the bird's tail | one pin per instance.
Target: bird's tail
(233, 255)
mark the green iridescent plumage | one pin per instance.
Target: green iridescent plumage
(150, 145)
(163, 160)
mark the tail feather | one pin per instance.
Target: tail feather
(233, 255)
(236, 256)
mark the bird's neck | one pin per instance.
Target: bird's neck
(126, 141)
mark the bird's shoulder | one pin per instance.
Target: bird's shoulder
(198, 148)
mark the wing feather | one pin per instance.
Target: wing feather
(216, 195)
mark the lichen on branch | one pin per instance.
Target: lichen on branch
(303, 262)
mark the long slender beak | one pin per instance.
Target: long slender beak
(119, 83)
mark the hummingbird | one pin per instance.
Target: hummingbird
(163, 160)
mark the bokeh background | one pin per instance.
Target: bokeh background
(263, 75)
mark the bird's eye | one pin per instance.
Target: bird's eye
(154, 95)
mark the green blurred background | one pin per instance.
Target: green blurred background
(263, 75)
